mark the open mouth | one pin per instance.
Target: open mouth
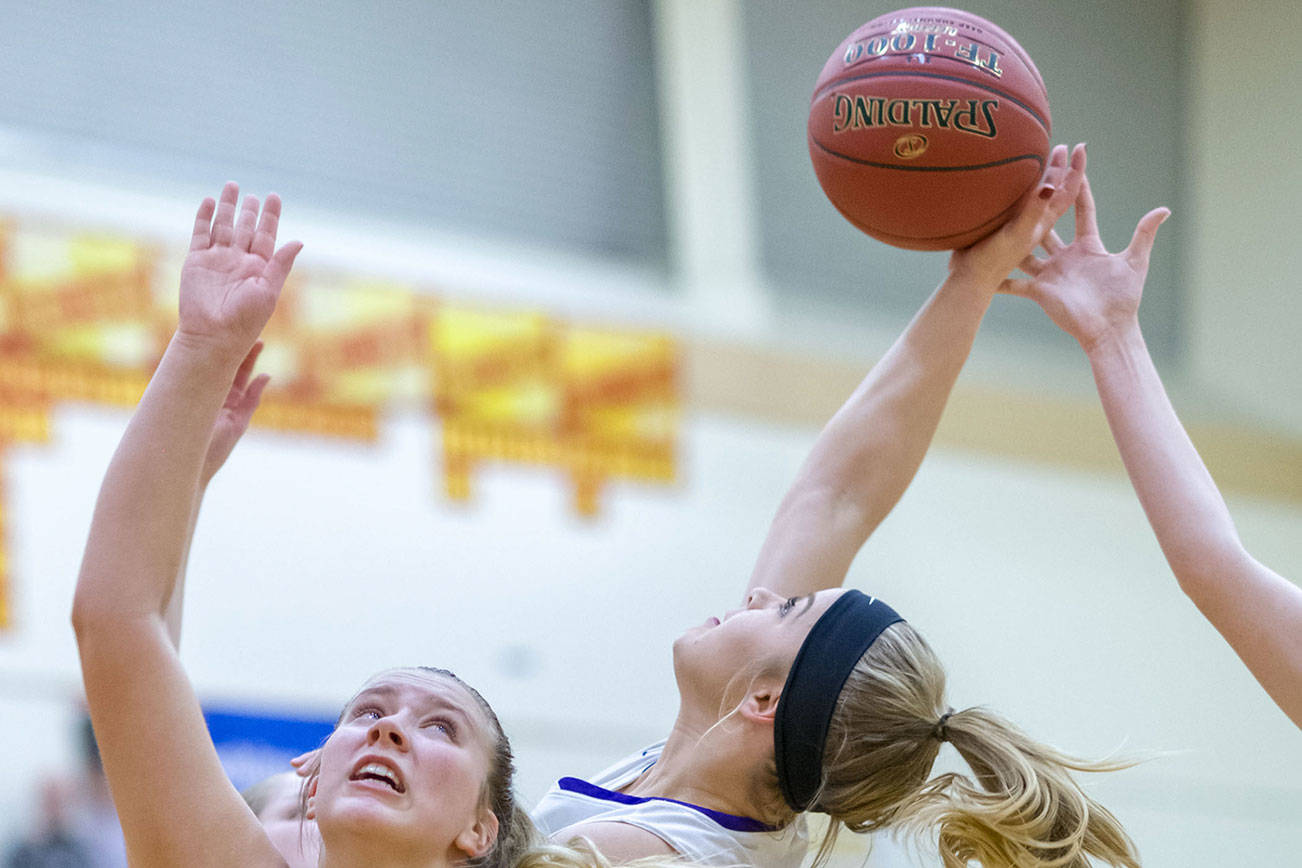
(381, 773)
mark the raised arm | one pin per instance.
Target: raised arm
(1094, 296)
(241, 401)
(174, 801)
(867, 455)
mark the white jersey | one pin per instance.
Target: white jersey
(700, 835)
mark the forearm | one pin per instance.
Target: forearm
(143, 516)
(875, 443)
(175, 604)
(1180, 498)
(1257, 611)
(869, 452)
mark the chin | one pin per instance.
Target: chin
(684, 645)
(688, 656)
(361, 815)
(680, 654)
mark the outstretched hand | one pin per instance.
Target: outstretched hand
(991, 259)
(235, 414)
(233, 273)
(1089, 293)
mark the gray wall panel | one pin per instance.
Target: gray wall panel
(521, 120)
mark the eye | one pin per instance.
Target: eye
(368, 712)
(788, 605)
(443, 724)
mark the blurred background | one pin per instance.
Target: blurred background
(571, 311)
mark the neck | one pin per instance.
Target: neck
(712, 763)
(351, 852)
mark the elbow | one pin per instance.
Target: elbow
(82, 613)
(108, 602)
(1205, 569)
(90, 612)
(833, 508)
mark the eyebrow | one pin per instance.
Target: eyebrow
(389, 690)
(370, 694)
(809, 602)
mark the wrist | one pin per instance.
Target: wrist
(202, 369)
(206, 350)
(971, 287)
(976, 281)
(1118, 340)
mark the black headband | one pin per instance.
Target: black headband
(829, 653)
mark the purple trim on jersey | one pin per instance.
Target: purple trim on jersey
(732, 822)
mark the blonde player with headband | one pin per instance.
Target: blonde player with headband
(810, 698)
(1094, 297)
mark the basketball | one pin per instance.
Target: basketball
(927, 126)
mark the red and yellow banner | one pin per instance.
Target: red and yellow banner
(85, 317)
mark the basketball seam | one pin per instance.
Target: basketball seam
(919, 74)
(1039, 159)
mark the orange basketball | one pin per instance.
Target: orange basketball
(927, 126)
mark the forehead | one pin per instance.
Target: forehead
(418, 687)
(823, 600)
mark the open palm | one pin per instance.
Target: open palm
(233, 273)
(1087, 291)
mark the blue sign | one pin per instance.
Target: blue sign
(255, 745)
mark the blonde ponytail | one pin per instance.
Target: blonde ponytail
(1024, 809)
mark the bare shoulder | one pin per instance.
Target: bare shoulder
(618, 842)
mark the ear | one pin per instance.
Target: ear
(479, 837)
(761, 705)
(310, 813)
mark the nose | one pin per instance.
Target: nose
(760, 598)
(386, 732)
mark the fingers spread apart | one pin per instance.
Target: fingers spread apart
(1052, 242)
(281, 262)
(223, 224)
(264, 240)
(201, 238)
(1087, 224)
(245, 224)
(1054, 171)
(1068, 175)
(1057, 189)
(216, 224)
(1017, 286)
(1031, 265)
(1141, 243)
